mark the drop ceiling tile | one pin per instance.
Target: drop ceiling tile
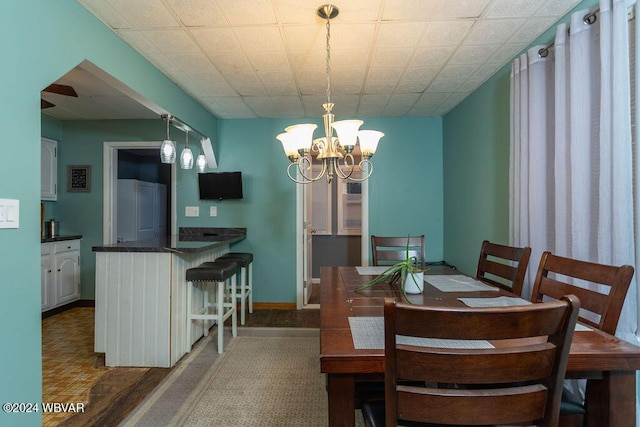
(445, 85)
(248, 90)
(494, 31)
(347, 58)
(453, 100)
(265, 38)
(400, 105)
(431, 100)
(305, 38)
(399, 57)
(282, 90)
(512, 8)
(400, 34)
(385, 74)
(379, 88)
(505, 53)
(531, 28)
(215, 39)
(457, 72)
(274, 60)
(229, 63)
(276, 78)
(410, 10)
(557, 8)
(372, 105)
(162, 62)
(355, 36)
(296, 11)
(145, 13)
(228, 107)
(471, 85)
(190, 62)
(198, 13)
(446, 33)
(248, 12)
(487, 70)
(460, 8)
(412, 87)
(169, 41)
(245, 78)
(138, 40)
(420, 74)
(432, 56)
(312, 86)
(474, 54)
(282, 106)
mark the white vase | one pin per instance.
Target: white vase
(414, 283)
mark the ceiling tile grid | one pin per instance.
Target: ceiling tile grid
(267, 58)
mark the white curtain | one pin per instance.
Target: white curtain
(572, 175)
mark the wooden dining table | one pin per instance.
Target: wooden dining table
(607, 362)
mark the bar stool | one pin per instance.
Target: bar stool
(220, 274)
(245, 289)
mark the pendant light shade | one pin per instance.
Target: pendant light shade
(186, 157)
(168, 151)
(201, 163)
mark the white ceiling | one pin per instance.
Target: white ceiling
(266, 58)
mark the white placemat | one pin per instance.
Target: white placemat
(457, 283)
(372, 270)
(494, 302)
(368, 334)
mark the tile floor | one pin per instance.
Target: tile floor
(69, 365)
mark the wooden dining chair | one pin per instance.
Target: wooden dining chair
(515, 379)
(390, 250)
(601, 305)
(503, 266)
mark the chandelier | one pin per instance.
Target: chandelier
(335, 152)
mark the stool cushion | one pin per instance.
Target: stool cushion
(212, 271)
(242, 258)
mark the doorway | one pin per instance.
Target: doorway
(305, 194)
(111, 151)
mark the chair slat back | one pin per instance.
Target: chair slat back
(555, 273)
(519, 380)
(506, 262)
(390, 250)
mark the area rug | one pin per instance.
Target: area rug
(265, 377)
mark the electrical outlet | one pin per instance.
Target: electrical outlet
(191, 211)
(213, 211)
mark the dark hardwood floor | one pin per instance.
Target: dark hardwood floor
(120, 390)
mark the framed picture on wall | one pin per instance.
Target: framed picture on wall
(78, 178)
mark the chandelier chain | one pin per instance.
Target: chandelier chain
(328, 26)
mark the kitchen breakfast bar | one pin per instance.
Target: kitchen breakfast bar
(141, 291)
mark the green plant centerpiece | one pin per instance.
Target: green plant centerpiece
(406, 273)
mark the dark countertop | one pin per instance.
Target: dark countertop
(60, 238)
(190, 240)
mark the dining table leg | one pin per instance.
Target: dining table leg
(611, 400)
(340, 393)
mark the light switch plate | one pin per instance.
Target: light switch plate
(191, 211)
(213, 211)
(9, 213)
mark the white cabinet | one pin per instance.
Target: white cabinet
(48, 169)
(142, 210)
(60, 273)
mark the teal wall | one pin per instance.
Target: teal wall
(476, 166)
(406, 188)
(422, 171)
(44, 40)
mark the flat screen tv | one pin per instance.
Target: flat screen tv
(220, 185)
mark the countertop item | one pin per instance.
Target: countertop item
(189, 240)
(60, 238)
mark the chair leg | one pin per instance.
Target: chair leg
(206, 305)
(250, 286)
(243, 295)
(233, 305)
(189, 320)
(219, 312)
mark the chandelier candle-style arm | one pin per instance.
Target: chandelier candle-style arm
(335, 152)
